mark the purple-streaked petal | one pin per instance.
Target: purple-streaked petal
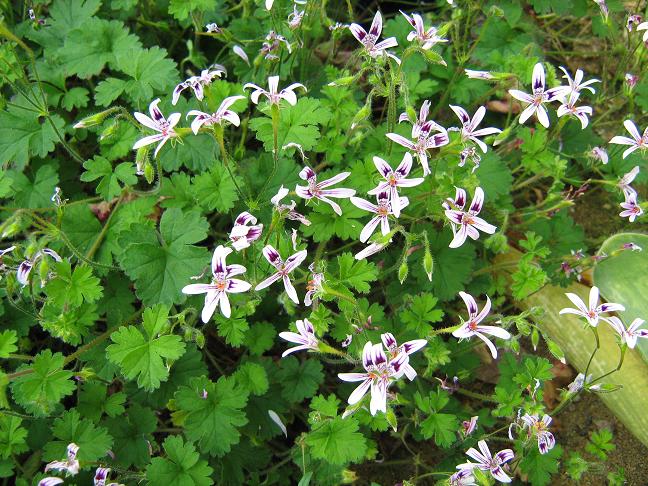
(334, 180)
(359, 392)
(364, 204)
(236, 286)
(521, 96)
(369, 228)
(295, 260)
(352, 377)
(462, 114)
(218, 264)
(538, 77)
(271, 254)
(470, 302)
(290, 289)
(211, 301)
(268, 281)
(358, 32)
(376, 25)
(632, 129)
(378, 397)
(400, 140)
(194, 289)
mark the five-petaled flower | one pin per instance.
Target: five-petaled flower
(539, 96)
(472, 74)
(70, 465)
(631, 208)
(306, 338)
(592, 312)
(314, 285)
(395, 179)
(630, 335)
(427, 38)
(568, 107)
(159, 123)
(245, 231)
(317, 190)
(488, 462)
(538, 427)
(423, 141)
(468, 223)
(287, 210)
(380, 373)
(637, 141)
(472, 326)
(469, 426)
(221, 115)
(599, 153)
(274, 97)
(468, 130)
(406, 348)
(382, 209)
(370, 39)
(421, 121)
(25, 268)
(283, 270)
(576, 83)
(626, 180)
(221, 285)
(198, 83)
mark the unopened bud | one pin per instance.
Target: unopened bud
(93, 120)
(364, 112)
(428, 263)
(403, 270)
(109, 131)
(149, 172)
(342, 81)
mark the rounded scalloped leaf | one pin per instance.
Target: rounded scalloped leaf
(622, 278)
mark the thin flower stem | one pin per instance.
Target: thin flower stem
(623, 351)
(479, 396)
(218, 132)
(595, 331)
(97, 243)
(445, 330)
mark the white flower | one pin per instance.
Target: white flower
(198, 83)
(427, 38)
(468, 222)
(242, 235)
(314, 285)
(383, 209)
(423, 142)
(317, 190)
(283, 270)
(306, 338)
(469, 426)
(632, 333)
(222, 284)
(468, 130)
(626, 180)
(406, 348)
(295, 18)
(287, 210)
(488, 462)
(593, 311)
(576, 84)
(472, 326)
(160, 124)
(601, 154)
(643, 26)
(395, 179)
(636, 142)
(380, 373)
(70, 465)
(568, 107)
(213, 28)
(539, 96)
(472, 74)
(274, 96)
(25, 268)
(538, 427)
(219, 117)
(631, 208)
(370, 39)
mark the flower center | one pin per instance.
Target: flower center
(383, 210)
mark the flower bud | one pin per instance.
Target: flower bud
(93, 120)
(149, 172)
(403, 271)
(343, 81)
(428, 263)
(364, 112)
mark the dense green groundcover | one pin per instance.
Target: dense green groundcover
(139, 329)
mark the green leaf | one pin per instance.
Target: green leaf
(109, 90)
(73, 288)
(12, 436)
(356, 273)
(195, 152)
(325, 224)
(453, 266)
(37, 192)
(540, 467)
(8, 340)
(297, 124)
(94, 442)
(182, 465)
(337, 441)
(161, 268)
(142, 356)
(150, 70)
(421, 313)
(600, 444)
(260, 338)
(181, 9)
(494, 176)
(300, 380)
(442, 426)
(253, 378)
(215, 189)
(109, 185)
(76, 97)
(94, 402)
(221, 410)
(132, 434)
(42, 389)
(89, 48)
(25, 134)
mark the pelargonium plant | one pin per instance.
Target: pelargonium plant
(303, 242)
